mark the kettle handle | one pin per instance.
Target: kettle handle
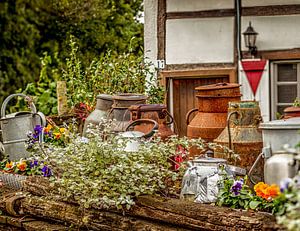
(187, 117)
(138, 121)
(29, 100)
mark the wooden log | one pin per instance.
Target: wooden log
(28, 224)
(150, 213)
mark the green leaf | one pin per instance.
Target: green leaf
(254, 204)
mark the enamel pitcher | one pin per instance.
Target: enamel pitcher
(15, 127)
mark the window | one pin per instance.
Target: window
(285, 84)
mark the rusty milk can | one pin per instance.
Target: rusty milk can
(243, 136)
(211, 115)
(157, 112)
(120, 109)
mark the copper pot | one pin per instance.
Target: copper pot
(212, 110)
(156, 112)
(290, 112)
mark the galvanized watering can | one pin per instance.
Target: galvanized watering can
(15, 127)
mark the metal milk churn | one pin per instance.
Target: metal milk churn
(120, 111)
(243, 136)
(15, 127)
(157, 112)
(211, 115)
(200, 182)
(281, 165)
(103, 106)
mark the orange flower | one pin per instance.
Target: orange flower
(9, 165)
(57, 135)
(48, 128)
(22, 166)
(265, 191)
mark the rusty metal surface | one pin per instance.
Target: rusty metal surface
(157, 112)
(246, 137)
(290, 112)
(212, 110)
(207, 125)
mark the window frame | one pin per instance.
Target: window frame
(275, 83)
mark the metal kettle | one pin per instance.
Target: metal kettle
(15, 126)
(281, 165)
(134, 136)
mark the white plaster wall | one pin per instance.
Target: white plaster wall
(262, 93)
(207, 40)
(197, 5)
(275, 32)
(150, 29)
(246, 3)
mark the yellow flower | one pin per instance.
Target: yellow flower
(22, 166)
(57, 135)
(9, 165)
(62, 130)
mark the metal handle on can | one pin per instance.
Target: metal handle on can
(31, 104)
(170, 116)
(187, 118)
(138, 121)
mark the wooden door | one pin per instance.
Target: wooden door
(184, 98)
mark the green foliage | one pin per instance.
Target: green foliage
(110, 74)
(30, 27)
(291, 219)
(245, 199)
(43, 91)
(98, 172)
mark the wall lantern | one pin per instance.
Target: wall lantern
(250, 38)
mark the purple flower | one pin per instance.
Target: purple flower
(237, 187)
(284, 184)
(46, 171)
(38, 129)
(34, 163)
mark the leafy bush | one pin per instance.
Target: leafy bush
(98, 172)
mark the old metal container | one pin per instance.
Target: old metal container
(290, 112)
(200, 181)
(120, 112)
(277, 133)
(15, 127)
(280, 166)
(135, 136)
(211, 115)
(157, 112)
(103, 106)
(243, 136)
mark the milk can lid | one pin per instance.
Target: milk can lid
(217, 86)
(291, 123)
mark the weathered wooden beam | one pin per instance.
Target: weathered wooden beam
(201, 14)
(271, 10)
(246, 11)
(161, 29)
(28, 224)
(153, 212)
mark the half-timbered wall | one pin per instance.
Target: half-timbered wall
(202, 36)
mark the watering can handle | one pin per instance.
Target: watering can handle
(189, 114)
(31, 104)
(228, 128)
(138, 121)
